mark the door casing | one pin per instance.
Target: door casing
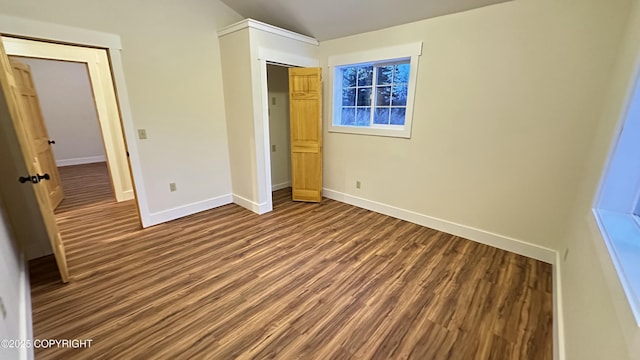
(104, 96)
(54, 33)
(261, 120)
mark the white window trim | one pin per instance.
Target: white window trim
(616, 201)
(413, 51)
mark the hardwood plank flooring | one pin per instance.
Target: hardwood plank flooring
(306, 281)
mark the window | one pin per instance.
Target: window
(373, 91)
(617, 206)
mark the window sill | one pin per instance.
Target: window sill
(621, 233)
(358, 130)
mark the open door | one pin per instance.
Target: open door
(305, 106)
(35, 176)
(39, 137)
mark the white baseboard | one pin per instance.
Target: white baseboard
(26, 329)
(81, 160)
(484, 237)
(251, 205)
(185, 210)
(558, 319)
(281, 186)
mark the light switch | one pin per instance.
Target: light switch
(273, 148)
(142, 134)
(273, 101)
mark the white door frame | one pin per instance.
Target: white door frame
(261, 120)
(20, 27)
(103, 94)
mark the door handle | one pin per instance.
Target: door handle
(51, 142)
(33, 179)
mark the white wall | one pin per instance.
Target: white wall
(278, 80)
(598, 320)
(68, 108)
(171, 63)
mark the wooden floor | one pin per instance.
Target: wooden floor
(306, 281)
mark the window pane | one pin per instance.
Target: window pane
(349, 77)
(363, 117)
(402, 73)
(348, 116)
(364, 97)
(385, 75)
(383, 96)
(399, 95)
(381, 116)
(348, 97)
(365, 75)
(397, 116)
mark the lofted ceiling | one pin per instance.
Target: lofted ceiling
(330, 19)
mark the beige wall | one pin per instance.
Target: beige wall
(68, 108)
(598, 320)
(506, 99)
(278, 79)
(236, 62)
(244, 92)
(171, 63)
(11, 269)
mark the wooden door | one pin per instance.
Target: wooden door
(305, 106)
(34, 123)
(19, 135)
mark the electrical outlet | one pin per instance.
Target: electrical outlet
(172, 186)
(142, 134)
(566, 253)
(357, 184)
(273, 148)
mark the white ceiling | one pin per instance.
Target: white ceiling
(330, 19)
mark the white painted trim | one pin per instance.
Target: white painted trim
(186, 210)
(47, 31)
(129, 129)
(26, 329)
(280, 186)
(84, 37)
(287, 59)
(412, 51)
(254, 24)
(81, 160)
(558, 318)
(481, 236)
(261, 121)
(379, 54)
(104, 93)
(250, 205)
